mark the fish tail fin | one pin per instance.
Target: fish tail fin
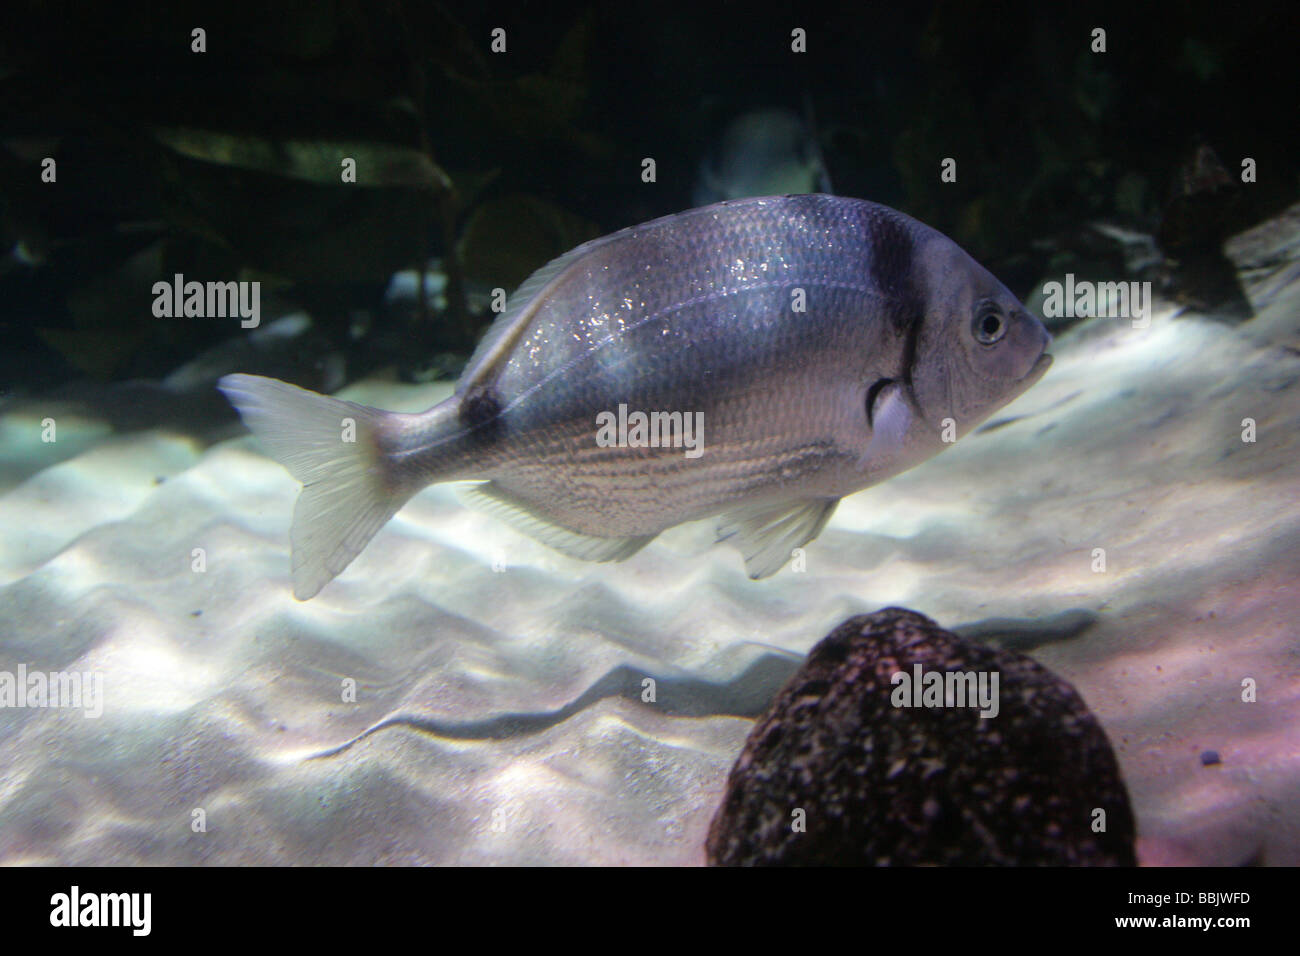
(336, 449)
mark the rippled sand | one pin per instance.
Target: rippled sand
(507, 679)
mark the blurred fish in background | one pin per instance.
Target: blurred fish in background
(763, 152)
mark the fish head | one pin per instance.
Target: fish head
(978, 347)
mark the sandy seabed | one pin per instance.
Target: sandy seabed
(506, 679)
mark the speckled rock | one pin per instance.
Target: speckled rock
(880, 784)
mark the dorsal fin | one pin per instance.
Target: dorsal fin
(499, 340)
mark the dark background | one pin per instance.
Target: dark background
(497, 163)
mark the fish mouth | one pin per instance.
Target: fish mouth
(1037, 370)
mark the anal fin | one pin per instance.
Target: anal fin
(767, 534)
(500, 503)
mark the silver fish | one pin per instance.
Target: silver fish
(760, 153)
(824, 343)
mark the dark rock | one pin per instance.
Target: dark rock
(1206, 206)
(886, 785)
(1209, 758)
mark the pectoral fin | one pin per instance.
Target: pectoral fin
(767, 534)
(891, 417)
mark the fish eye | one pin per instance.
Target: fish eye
(989, 325)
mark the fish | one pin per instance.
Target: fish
(823, 344)
(760, 153)
(289, 345)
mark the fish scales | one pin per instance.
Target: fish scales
(719, 336)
